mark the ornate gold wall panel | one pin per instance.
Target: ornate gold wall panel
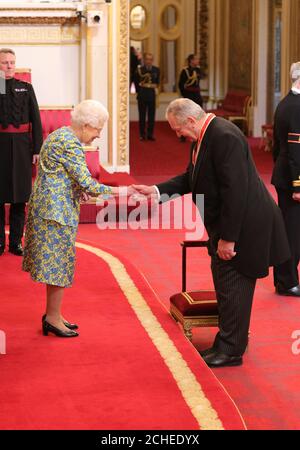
(203, 23)
(290, 50)
(240, 44)
(123, 82)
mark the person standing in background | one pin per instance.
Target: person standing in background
(147, 82)
(20, 139)
(189, 80)
(286, 179)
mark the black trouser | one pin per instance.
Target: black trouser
(286, 274)
(146, 106)
(234, 295)
(16, 223)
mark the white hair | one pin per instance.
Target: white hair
(89, 112)
(182, 108)
(295, 71)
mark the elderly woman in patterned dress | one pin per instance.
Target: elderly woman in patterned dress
(63, 179)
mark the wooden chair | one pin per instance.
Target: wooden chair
(267, 137)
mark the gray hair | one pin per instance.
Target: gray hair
(182, 108)
(89, 112)
(7, 50)
(295, 71)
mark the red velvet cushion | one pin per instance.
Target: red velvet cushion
(234, 101)
(52, 119)
(199, 303)
(23, 76)
(92, 160)
(223, 113)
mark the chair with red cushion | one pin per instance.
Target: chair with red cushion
(194, 309)
(23, 75)
(54, 117)
(236, 108)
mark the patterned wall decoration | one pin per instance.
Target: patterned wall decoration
(240, 44)
(203, 34)
(40, 35)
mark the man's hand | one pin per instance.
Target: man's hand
(145, 192)
(226, 250)
(148, 191)
(296, 196)
(35, 159)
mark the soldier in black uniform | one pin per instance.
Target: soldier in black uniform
(147, 82)
(189, 80)
(286, 179)
(20, 142)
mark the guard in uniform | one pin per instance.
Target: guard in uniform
(147, 82)
(20, 142)
(286, 179)
(189, 80)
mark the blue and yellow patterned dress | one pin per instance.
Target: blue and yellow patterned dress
(54, 206)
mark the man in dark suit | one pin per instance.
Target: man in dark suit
(20, 141)
(244, 224)
(286, 179)
(147, 83)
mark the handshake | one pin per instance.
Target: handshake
(137, 192)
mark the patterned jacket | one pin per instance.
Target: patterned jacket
(62, 177)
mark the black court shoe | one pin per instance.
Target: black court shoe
(48, 328)
(71, 326)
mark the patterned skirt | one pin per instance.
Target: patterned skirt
(49, 252)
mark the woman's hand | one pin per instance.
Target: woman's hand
(84, 197)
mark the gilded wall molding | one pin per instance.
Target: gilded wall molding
(123, 82)
(38, 20)
(203, 34)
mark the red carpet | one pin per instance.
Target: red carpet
(131, 367)
(159, 159)
(266, 388)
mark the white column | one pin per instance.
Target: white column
(97, 65)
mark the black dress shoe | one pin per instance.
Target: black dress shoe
(208, 351)
(48, 328)
(293, 292)
(2, 247)
(16, 249)
(151, 138)
(71, 326)
(221, 360)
